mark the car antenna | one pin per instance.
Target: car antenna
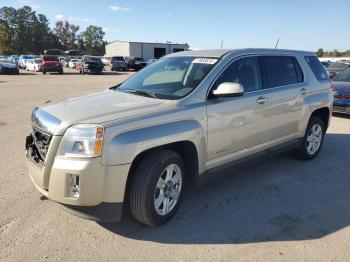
(278, 40)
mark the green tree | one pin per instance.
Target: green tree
(92, 39)
(320, 52)
(23, 31)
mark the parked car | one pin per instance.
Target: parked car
(90, 64)
(182, 119)
(325, 63)
(51, 63)
(341, 85)
(106, 60)
(66, 62)
(135, 63)
(23, 59)
(150, 61)
(118, 63)
(336, 67)
(7, 66)
(14, 58)
(73, 63)
(34, 65)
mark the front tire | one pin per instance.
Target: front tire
(313, 139)
(157, 187)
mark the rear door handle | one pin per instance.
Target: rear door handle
(303, 91)
(261, 100)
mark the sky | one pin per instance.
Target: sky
(204, 24)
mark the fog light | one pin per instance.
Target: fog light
(73, 186)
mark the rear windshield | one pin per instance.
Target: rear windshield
(317, 68)
(117, 58)
(343, 76)
(50, 58)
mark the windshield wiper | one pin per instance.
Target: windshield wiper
(141, 93)
(115, 87)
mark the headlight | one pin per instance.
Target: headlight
(82, 140)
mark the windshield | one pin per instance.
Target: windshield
(343, 76)
(170, 78)
(92, 59)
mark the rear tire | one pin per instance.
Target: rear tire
(313, 139)
(157, 187)
(44, 72)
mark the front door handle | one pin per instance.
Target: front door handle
(303, 91)
(261, 100)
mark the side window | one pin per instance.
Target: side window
(281, 71)
(317, 68)
(245, 71)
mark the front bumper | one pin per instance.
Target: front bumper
(8, 70)
(52, 68)
(101, 188)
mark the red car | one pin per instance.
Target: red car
(51, 63)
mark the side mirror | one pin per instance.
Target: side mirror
(228, 89)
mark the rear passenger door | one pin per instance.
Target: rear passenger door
(284, 79)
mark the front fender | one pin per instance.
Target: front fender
(124, 147)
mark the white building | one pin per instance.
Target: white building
(143, 49)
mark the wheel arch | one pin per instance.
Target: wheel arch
(186, 149)
(324, 114)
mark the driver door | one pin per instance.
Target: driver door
(238, 126)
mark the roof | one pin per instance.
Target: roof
(221, 52)
(140, 42)
(203, 53)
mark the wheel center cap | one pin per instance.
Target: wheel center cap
(168, 188)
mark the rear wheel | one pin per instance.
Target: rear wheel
(44, 72)
(313, 139)
(157, 187)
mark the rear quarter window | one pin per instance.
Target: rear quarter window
(282, 70)
(317, 68)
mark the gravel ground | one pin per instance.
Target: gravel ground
(280, 209)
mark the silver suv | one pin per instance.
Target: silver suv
(186, 118)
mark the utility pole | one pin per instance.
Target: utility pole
(278, 40)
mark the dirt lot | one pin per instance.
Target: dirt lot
(280, 209)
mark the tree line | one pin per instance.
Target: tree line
(335, 53)
(23, 31)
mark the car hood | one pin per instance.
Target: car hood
(102, 107)
(342, 88)
(8, 65)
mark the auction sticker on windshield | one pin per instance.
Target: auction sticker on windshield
(209, 61)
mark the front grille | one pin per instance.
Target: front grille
(41, 142)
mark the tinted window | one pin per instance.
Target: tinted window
(245, 71)
(316, 67)
(281, 71)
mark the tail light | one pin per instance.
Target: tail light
(332, 88)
